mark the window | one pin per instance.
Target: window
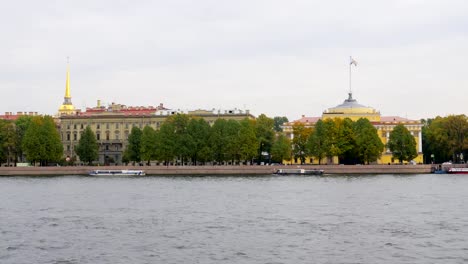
(74, 126)
(75, 136)
(107, 135)
(98, 126)
(81, 126)
(107, 125)
(107, 147)
(117, 125)
(68, 136)
(68, 147)
(98, 136)
(68, 126)
(117, 136)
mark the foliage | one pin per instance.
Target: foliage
(147, 144)
(132, 151)
(22, 124)
(402, 144)
(264, 127)
(317, 142)
(218, 140)
(346, 140)
(281, 149)
(165, 143)
(41, 142)
(299, 142)
(199, 131)
(278, 122)
(445, 137)
(247, 140)
(87, 148)
(369, 147)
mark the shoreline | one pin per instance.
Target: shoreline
(218, 170)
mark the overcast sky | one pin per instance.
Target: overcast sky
(280, 58)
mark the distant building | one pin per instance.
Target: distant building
(350, 108)
(11, 116)
(113, 124)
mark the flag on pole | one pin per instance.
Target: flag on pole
(352, 61)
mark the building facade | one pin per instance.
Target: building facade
(350, 108)
(112, 124)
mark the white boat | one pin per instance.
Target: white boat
(458, 170)
(117, 173)
(298, 172)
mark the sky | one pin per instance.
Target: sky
(278, 58)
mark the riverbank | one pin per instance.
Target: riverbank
(218, 170)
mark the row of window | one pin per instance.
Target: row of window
(116, 125)
(98, 136)
(105, 147)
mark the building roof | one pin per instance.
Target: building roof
(351, 106)
(13, 117)
(396, 119)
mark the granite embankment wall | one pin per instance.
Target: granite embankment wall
(219, 170)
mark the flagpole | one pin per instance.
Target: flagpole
(350, 60)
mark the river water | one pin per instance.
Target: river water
(270, 219)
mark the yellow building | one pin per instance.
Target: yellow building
(350, 108)
(113, 124)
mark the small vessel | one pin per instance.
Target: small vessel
(117, 173)
(458, 171)
(298, 172)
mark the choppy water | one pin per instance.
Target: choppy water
(336, 219)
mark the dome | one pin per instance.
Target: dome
(351, 106)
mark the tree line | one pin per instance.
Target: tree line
(35, 139)
(192, 140)
(445, 139)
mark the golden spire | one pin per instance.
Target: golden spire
(67, 84)
(67, 107)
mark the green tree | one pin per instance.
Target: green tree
(87, 148)
(132, 151)
(369, 147)
(166, 143)
(281, 149)
(402, 144)
(317, 145)
(265, 135)
(457, 131)
(5, 140)
(218, 140)
(199, 132)
(346, 141)
(41, 142)
(183, 141)
(332, 148)
(299, 142)
(279, 121)
(232, 139)
(148, 144)
(247, 140)
(22, 124)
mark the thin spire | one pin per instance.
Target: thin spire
(67, 82)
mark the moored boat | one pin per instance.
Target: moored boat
(117, 173)
(458, 171)
(298, 172)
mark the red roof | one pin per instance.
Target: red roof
(395, 119)
(9, 117)
(305, 119)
